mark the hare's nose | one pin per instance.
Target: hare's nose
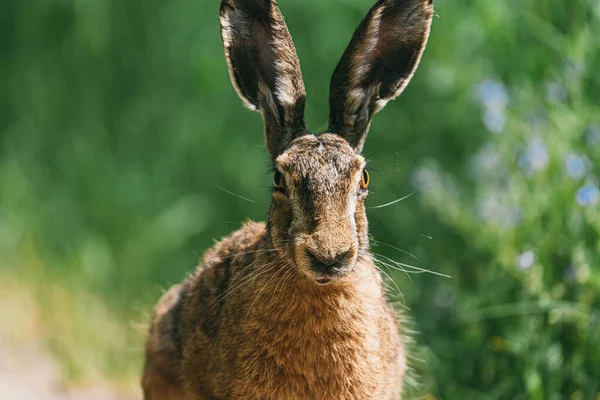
(330, 265)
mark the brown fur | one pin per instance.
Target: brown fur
(294, 308)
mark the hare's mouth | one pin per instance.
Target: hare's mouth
(324, 280)
(327, 278)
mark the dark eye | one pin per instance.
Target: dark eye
(365, 179)
(278, 180)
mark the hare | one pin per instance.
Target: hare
(295, 308)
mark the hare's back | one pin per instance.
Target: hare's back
(162, 377)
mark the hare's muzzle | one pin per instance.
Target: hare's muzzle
(325, 268)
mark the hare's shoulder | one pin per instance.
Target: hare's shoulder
(245, 241)
(191, 310)
(207, 286)
(222, 261)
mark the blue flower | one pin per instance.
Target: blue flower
(588, 195)
(577, 165)
(486, 161)
(535, 157)
(494, 99)
(494, 120)
(492, 94)
(494, 210)
(592, 135)
(424, 178)
(526, 260)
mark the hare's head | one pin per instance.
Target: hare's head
(317, 218)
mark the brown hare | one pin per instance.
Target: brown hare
(295, 308)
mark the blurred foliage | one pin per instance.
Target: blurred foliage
(121, 138)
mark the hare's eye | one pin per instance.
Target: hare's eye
(278, 180)
(365, 179)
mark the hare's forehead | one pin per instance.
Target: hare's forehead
(326, 155)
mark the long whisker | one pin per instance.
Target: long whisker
(261, 290)
(384, 281)
(243, 281)
(370, 256)
(390, 278)
(397, 268)
(236, 195)
(416, 269)
(395, 248)
(393, 202)
(281, 285)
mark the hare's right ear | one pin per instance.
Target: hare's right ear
(377, 65)
(264, 67)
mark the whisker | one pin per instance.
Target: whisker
(397, 268)
(236, 195)
(395, 248)
(370, 256)
(393, 202)
(390, 278)
(246, 281)
(242, 281)
(261, 290)
(281, 284)
(384, 281)
(416, 269)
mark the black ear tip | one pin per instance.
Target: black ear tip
(252, 7)
(226, 6)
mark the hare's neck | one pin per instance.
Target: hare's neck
(325, 334)
(302, 313)
(354, 293)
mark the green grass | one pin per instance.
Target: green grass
(95, 345)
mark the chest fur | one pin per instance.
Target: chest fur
(344, 353)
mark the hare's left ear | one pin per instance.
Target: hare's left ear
(264, 67)
(377, 65)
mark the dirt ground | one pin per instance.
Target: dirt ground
(27, 373)
(27, 369)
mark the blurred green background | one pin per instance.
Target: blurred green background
(119, 129)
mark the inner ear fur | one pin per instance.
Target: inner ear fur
(380, 60)
(264, 67)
